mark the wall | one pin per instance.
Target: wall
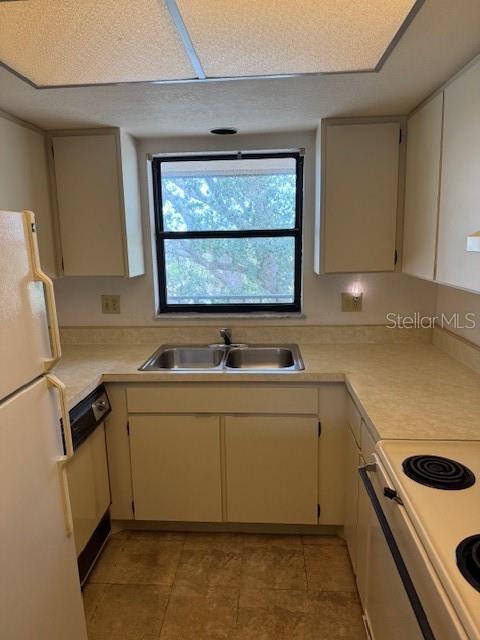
(78, 299)
(24, 180)
(454, 301)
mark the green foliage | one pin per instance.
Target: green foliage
(218, 268)
(229, 202)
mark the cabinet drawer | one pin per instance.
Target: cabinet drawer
(354, 420)
(222, 398)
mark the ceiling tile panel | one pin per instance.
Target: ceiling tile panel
(270, 37)
(70, 42)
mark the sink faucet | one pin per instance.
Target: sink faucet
(226, 334)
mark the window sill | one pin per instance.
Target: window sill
(297, 315)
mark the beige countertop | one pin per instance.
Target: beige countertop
(403, 390)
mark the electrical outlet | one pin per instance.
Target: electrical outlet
(351, 302)
(110, 304)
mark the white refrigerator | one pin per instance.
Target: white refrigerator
(40, 597)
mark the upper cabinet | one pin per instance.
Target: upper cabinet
(357, 200)
(460, 182)
(24, 182)
(442, 191)
(424, 142)
(95, 181)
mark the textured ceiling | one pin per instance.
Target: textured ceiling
(66, 42)
(443, 36)
(268, 37)
(55, 42)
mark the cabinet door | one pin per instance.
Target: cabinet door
(89, 204)
(176, 467)
(271, 469)
(24, 183)
(424, 140)
(460, 190)
(360, 197)
(365, 521)
(352, 462)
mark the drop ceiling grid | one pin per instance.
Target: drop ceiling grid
(270, 37)
(65, 42)
(418, 65)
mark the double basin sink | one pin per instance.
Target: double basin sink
(235, 357)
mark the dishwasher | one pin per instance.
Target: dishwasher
(88, 480)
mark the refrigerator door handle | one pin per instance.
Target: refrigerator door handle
(62, 460)
(42, 277)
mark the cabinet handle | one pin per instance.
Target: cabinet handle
(40, 276)
(62, 460)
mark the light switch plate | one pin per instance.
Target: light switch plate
(351, 302)
(110, 304)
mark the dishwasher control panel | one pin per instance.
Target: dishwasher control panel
(88, 414)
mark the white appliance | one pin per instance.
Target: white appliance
(423, 559)
(88, 481)
(40, 597)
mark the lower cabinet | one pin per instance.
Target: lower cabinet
(359, 514)
(366, 517)
(350, 527)
(238, 453)
(176, 473)
(271, 468)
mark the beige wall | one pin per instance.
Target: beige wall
(79, 298)
(451, 301)
(24, 180)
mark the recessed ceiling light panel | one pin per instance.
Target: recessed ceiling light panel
(71, 42)
(278, 37)
(54, 43)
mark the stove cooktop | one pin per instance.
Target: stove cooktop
(438, 472)
(447, 522)
(468, 560)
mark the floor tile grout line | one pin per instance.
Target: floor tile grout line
(165, 611)
(305, 568)
(171, 588)
(168, 589)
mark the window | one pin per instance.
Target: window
(229, 232)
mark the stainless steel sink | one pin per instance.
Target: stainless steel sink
(261, 358)
(229, 358)
(185, 358)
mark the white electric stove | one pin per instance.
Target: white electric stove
(429, 492)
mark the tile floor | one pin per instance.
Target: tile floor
(195, 586)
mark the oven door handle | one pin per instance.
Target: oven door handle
(397, 556)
